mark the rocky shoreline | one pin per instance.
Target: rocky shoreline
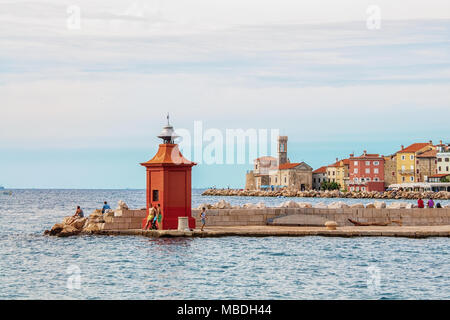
(441, 195)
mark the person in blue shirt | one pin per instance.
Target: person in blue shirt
(105, 207)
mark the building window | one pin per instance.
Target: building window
(355, 170)
(446, 168)
(363, 188)
(367, 163)
(393, 173)
(355, 163)
(155, 195)
(375, 163)
(403, 168)
(411, 178)
(417, 171)
(403, 179)
(333, 173)
(355, 179)
(367, 170)
(412, 167)
(403, 157)
(276, 179)
(439, 159)
(375, 170)
(376, 179)
(440, 169)
(285, 179)
(368, 179)
(447, 159)
(411, 157)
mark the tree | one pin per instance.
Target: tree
(325, 185)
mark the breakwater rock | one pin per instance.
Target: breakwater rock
(71, 226)
(394, 194)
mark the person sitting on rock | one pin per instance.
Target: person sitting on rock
(420, 203)
(79, 213)
(105, 207)
(438, 205)
(431, 203)
(151, 215)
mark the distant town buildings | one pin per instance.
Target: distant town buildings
(270, 173)
(418, 166)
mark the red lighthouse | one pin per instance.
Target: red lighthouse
(169, 181)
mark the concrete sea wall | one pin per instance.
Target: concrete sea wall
(317, 217)
(132, 219)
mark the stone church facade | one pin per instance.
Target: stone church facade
(271, 173)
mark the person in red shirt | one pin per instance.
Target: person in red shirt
(420, 203)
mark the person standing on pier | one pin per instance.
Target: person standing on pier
(151, 215)
(203, 217)
(158, 216)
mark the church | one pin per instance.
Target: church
(270, 173)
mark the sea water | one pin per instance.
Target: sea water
(33, 266)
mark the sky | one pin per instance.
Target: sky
(82, 100)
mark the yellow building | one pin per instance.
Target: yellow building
(406, 160)
(338, 172)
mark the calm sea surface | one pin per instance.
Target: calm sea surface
(33, 266)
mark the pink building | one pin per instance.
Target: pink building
(366, 172)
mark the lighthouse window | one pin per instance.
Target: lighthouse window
(155, 195)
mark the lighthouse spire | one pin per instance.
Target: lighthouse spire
(168, 134)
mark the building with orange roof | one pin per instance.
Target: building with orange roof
(338, 172)
(407, 164)
(318, 176)
(273, 173)
(366, 172)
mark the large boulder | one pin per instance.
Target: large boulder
(109, 213)
(91, 227)
(289, 204)
(204, 205)
(67, 231)
(357, 206)
(121, 205)
(320, 205)
(397, 205)
(370, 205)
(379, 204)
(249, 206)
(79, 223)
(260, 205)
(337, 205)
(304, 205)
(222, 204)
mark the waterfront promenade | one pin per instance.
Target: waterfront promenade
(291, 231)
